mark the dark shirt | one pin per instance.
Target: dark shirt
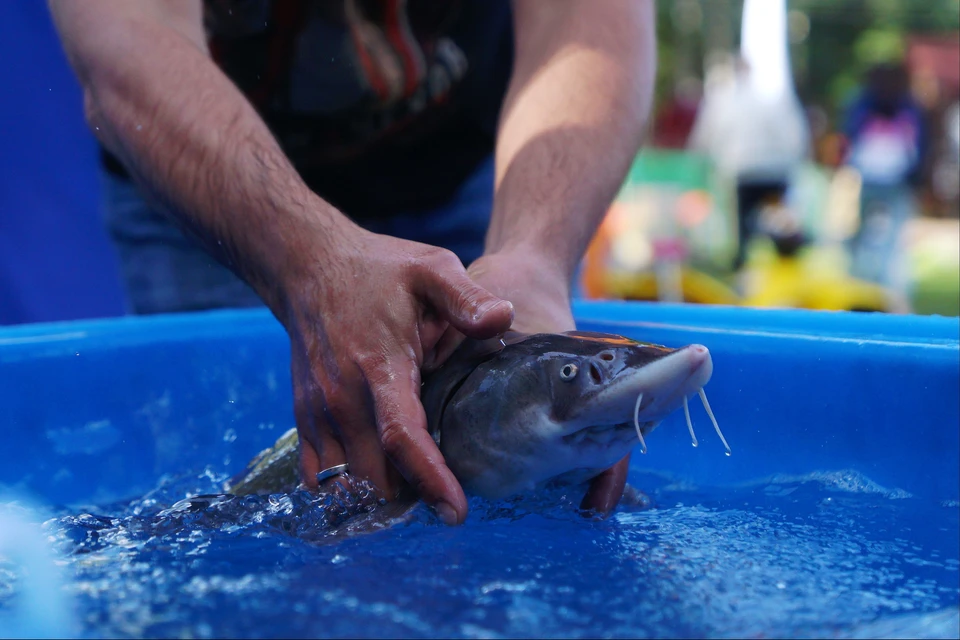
(383, 106)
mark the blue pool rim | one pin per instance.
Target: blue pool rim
(99, 409)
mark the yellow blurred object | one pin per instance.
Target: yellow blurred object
(638, 253)
(813, 279)
(695, 286)
(609, 273)
(796, 283)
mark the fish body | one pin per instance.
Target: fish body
(512, 414)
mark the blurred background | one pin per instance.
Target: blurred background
(802, 154)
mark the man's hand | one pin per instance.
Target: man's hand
(360, 326)
(540, 293)
(571, 124)
(362, 310)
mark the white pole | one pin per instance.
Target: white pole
(763, 44)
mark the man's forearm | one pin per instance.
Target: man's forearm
(156, 100)
(573, 120)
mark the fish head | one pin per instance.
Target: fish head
(561, 407)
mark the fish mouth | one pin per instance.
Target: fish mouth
(661, 386)
(608, 434)
(634, 403)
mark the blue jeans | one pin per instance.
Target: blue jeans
(164, 271)
(875, 248)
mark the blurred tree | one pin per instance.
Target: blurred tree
(847, 37)
(832, 41)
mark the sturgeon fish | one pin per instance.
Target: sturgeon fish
(513, 414)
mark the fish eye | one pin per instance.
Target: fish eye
(568, 372)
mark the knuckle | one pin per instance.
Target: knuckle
(333, 397)
(438, 261)
(446, 261)
(370, 363)
(393, 438)
(462, 302)
(336, 397)
(465, 302)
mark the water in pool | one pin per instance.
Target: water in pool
(824, 555)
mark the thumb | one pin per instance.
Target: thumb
(467, 306)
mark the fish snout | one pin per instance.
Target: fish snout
(613, 381)
(680, 375)
(700, 364)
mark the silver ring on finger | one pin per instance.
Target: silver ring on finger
(326, 474)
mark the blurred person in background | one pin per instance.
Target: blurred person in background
(952, 126)
(345, 161)
(754, 140)
(946, 177)
(887, 144)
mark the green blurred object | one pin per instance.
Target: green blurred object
(681, 169)
(938, 296)
(680, 173)
(936, 289)
(879, 46)
(840, 40)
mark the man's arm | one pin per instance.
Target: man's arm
(362, 310)
(155, 99)
(573, 121)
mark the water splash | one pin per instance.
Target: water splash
(762, 559)
(300, 514)
(33, 603)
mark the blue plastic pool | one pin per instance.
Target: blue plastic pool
(836, 515)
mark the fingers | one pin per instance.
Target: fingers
(606, 489)
(468, 307)
(361, 443)
(319, 449)
(350, 429)
(404, 437)
(327, 411)
(345, 432)
(443, 349)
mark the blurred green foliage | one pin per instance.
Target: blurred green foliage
(832, 41)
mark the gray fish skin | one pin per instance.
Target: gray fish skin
(518, 419)
(513, 414)
(273, 470)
